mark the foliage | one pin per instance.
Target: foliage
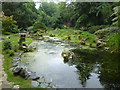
(8, 25)
(7, 45)
(48, 14)
(52, 15)
(10, 52)
(39, 25)
(10, 76)
(8, 63)
(81, 14)
(114, 41)
(93, 29)
(74, 34)
(15, 48)
(116, 13)
(24, 13)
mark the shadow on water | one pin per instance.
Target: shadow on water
(106, 65)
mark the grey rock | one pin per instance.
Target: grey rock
(51, 85)
(52, 35)
(35, 83)
(67, 55)
(33, 76)
(17, 69)
(16, 58)
(20, 53)
(44, 85)
(41, 80)
(15, 64)
(48, 80)
(16, 87)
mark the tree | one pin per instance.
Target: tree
(48, 14)
(9, 25)
(24, 13)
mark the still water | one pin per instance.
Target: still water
(87, 69)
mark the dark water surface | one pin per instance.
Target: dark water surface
(88, 69)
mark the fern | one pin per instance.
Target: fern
(116, 19)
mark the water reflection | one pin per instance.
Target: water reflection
(102, 65)
(88, 68)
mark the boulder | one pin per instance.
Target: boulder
(33, 76)
(16, 87)
(41, 38)
(35, 83)
(16, 70)
(82, 43)
(41, 80)
(16, 58)
(69, 38)
(44, 85)
(15, 63)
(53, 40)
(52, 35)
(20, 53)
(40, 35)
(24, 73)
(100, 43)
(67, 55)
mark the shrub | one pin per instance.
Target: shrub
(15, 48)
(7, 33)
(114, 41)
(8, 25)
(10, 52)
(7, 45)
(93, 29)
(39, 25)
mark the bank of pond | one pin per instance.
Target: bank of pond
(63, 62)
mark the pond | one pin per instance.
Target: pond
(88, 69)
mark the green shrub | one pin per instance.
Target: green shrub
(7, 33)
(8, 25)
(15, 48)
(93, 29)
(10, 52)
(39, 25)
(114, 41)
(7, 45)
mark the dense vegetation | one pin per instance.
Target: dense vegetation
(76, 22)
